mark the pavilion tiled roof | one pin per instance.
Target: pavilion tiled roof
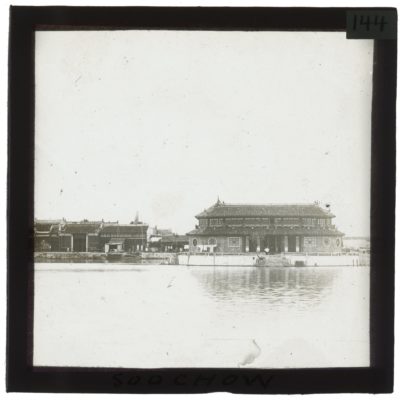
(248, 230)
(220, 210)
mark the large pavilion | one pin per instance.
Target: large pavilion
(270, 228)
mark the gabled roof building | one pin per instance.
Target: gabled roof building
(45, 234)
(270, 228)
(89, 236)
(132, 237)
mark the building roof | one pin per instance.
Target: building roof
(81, 227)
(48, 221)
(131, 229)
(116, 241)
(164, 232)
(46, 228)
(155, 239)
(175, 239)
(220, 210)
(248, 230)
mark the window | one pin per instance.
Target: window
(321, 221)
(234, 242)
(234, 221)
(287, 221)
(311, 221)
(194, 242)
(216, 221)
(327, 242)
(256, 221)
(291, 221)
(203, 223)
(212, 241)
(310, 241)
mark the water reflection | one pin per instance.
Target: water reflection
(280, 286)
(130, 316)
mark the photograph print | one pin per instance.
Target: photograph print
(202, 199)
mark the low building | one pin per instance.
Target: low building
(46, 235)
(80, 236)
(89, 236)
(174, 243)
(270, 228)
(117, 237)
(164, 240)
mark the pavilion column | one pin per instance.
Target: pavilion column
(297, 244)
(258, 244)
(87, 243)
(286, 243)
(72, 242)
(247, 244)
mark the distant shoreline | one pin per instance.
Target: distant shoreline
(84, 257)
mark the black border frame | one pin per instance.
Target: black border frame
(22, 377)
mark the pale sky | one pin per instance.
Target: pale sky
(163, 122)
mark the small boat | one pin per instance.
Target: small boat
(299, 263)
(115, 255)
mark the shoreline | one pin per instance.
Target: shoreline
(209, 259)
(87, 257)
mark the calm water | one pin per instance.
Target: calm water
(152, 316)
